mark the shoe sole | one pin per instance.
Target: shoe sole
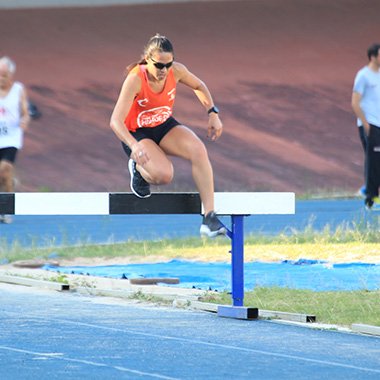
(130, 168)
(373, 208)
(205, 231)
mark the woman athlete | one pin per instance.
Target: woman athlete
(142, 119)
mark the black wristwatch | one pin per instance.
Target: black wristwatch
(214, 109)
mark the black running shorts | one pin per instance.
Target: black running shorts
(8, 154)
(156, 133)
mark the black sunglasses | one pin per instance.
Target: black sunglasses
(161, 66)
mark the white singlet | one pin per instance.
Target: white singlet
(11, 134)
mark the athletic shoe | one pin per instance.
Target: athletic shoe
(362, 192)
(127, 150)
(372, 203)
(139, 186)
(376, 204)
(212, 226)
(6, 219)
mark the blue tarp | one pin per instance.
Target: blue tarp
(301, 274)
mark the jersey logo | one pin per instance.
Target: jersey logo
(171, 94)
(153, 117)
(143, 102)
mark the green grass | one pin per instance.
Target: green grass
(326, 193)
(341, 308)
(131, 249)
(361, 232)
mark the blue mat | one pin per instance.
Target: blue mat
(301, 274)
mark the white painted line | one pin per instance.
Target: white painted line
(60, 356)
(61, 203)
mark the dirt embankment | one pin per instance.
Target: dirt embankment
(281, 73)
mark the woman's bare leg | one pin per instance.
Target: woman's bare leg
(182, 142)
(6, 184)
(159, 169)
(6, 176)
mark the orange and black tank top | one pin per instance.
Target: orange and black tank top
(150, 109)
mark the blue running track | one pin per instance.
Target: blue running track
(51, 335)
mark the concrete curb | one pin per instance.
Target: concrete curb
(10, 279)
(96, 285)
(366, 329)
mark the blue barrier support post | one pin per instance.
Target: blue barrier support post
(237, 310)
(237, 245)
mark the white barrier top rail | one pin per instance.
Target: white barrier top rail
(92, 203)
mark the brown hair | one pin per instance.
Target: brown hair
(156, 43)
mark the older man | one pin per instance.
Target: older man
(14, 120)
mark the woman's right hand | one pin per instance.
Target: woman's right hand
(139, 154)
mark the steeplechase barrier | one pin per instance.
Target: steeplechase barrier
(236, 205)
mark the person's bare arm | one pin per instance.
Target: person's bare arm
(25, 118)
(129, 90)
(355, 103)
(184, 76)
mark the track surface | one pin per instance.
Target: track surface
(50, 335)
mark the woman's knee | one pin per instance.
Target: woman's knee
(6, 170)
(160, 174)
(163, 176)
(159, 169)
(198, 152)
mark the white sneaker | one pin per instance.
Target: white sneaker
(212, 226)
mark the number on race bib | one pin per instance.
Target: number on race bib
(3, 129)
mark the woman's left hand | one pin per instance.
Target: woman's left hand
(215, 127)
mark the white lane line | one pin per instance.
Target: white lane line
(88, 362)
(195, 341)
